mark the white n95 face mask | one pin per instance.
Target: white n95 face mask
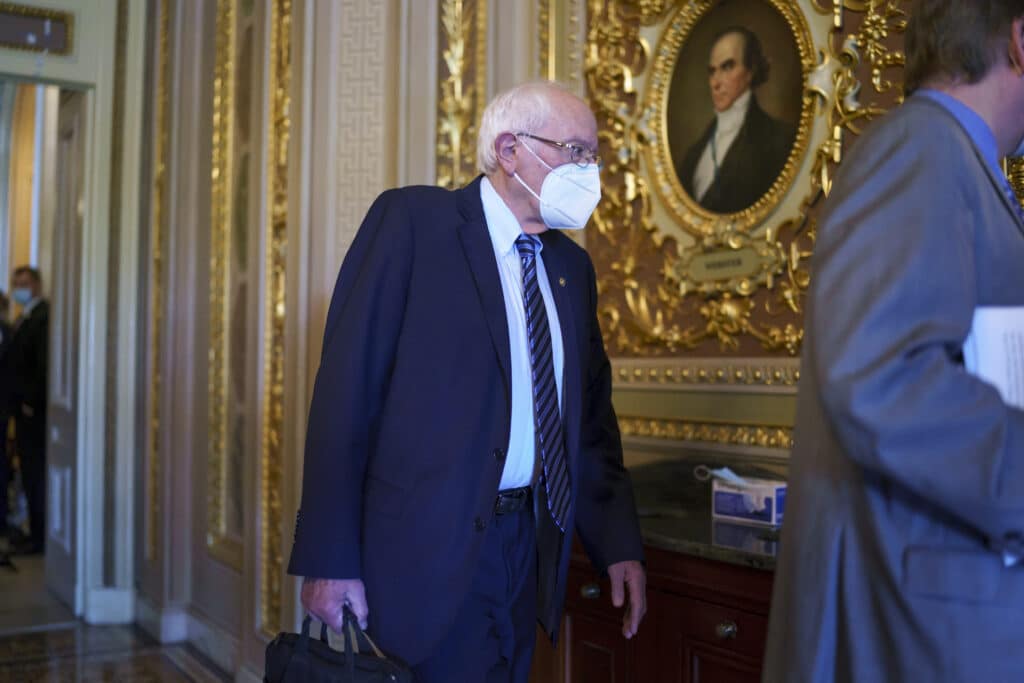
(569, 195)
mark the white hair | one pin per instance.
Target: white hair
(522, 109)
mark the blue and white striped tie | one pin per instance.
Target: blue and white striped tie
(547, 419)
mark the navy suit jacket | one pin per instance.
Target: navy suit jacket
(411, 408)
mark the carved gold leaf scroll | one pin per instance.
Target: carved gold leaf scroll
(156, 282)
(219, 543)
(462, 88)
(278, 145)
(658, 309)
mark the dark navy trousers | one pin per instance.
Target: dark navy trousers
(493, 636)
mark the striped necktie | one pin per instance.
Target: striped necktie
(547, 419)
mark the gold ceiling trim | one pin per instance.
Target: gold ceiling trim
(278, 146)
(717, 433)
(751, 373)
(156, 282)
(463, 89)
(664, 310)
(218, 543)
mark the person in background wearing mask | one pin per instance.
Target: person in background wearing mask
(904, 535)
(6, 336)
(461, 426)
(27, 360)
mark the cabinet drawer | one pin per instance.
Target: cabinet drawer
(715, 625)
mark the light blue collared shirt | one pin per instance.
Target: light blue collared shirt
(504, 229)
(977, 130)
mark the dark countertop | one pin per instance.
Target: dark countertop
(675, 515)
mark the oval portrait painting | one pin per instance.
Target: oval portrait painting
(734, 104)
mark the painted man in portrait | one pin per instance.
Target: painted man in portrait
(742, 151)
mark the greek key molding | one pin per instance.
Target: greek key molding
(361, 104)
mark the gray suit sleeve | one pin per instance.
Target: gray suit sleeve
(895, 290)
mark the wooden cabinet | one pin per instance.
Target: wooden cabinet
(702, 642)
(706, 623)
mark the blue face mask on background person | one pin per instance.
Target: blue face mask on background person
(23, 295)
(569, 195)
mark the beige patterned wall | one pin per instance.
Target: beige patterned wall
(364, 163)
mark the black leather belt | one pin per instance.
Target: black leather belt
(511, 500)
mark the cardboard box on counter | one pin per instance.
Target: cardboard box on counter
(754, 501)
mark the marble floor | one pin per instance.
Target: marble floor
(41, 641)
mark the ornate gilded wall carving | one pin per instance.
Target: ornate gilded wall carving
(1015, 172)
(223, 542)
(462, 88)
(560, 48)
(156, 282)
(278, 144)
(660, 255)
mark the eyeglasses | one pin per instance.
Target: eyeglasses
(578, 154)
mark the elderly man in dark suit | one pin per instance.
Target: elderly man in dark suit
(901, 551)
(743, 150)
(28, 360)
(461, 426)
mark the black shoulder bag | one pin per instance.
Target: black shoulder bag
(297, 658)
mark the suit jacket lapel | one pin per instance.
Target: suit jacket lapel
(479, 252)
(562, 290)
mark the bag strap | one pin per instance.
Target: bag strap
(352, 631)
(303, 644)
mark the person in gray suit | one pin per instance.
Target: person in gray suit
(901, 552)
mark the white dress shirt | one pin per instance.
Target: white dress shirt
(504, 229)
(729, 123)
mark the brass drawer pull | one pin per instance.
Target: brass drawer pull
(726, 630)
(590, 591)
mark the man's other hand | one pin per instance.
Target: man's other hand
(325, 598)
(631, 575)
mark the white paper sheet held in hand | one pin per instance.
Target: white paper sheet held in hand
(994, 350)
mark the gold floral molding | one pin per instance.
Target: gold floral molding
(278, 145)
(763, 436)
(747, 373)
(156, 281)
(462, 90)
(1015, 172)
(219, 544)
(660, 309)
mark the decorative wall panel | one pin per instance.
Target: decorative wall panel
(276, 240)
(462, 88)
(676, 276)
(230, 408)
(156, 282)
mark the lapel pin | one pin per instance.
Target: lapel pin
(561, 281)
